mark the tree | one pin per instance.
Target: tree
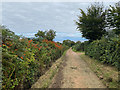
(8, 35)
(92, 24)
(78, 42)
(40, 34)
(113, 18)
(49, 35)
(68, 43)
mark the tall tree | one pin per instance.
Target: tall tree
(113, 18)
(40, 34)
(92, 24)
(8, 35)
(49, 35)
(69, 43)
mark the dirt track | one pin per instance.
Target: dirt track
(75, 73)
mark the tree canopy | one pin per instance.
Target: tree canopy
(92, 24)
(49, 35)
(113, 18)
(68, 43)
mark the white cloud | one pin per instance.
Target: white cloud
(62, 34)
(34, 16)
(56, 16)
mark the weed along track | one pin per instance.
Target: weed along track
(75, 73)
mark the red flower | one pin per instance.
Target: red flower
(36, 44)
(40, 47)
(16, 49)
(11, 45)
(0, 45)
(30, 41)
(21, 57)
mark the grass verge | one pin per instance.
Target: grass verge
(107, 74)
(45, 80)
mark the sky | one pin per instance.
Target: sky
(26, 18)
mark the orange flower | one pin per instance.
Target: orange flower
(45, 40)
(16, 49)
(40, 47)
(0, 45)
(24, 54)
(11, 45)
(36, 44)
(30, 41)
(21, 57)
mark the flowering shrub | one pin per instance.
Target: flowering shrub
(23, 61)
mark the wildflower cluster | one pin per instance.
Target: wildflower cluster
(24, 60)
(52, 42)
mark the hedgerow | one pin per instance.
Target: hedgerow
(23, 61)
(80, 46)
(106, 50)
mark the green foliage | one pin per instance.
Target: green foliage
(92, 24)
(68, 43)
(24, 60)
(113, 18)
(49, 35)
(107, 50)
(80, 46)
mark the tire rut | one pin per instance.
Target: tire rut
(75, 73)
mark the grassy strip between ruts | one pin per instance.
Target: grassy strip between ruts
(45, 80)
(107, 74)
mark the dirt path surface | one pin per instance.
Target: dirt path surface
(75, 73)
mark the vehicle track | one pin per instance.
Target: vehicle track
(75, 73)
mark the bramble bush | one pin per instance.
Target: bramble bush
(23, 61)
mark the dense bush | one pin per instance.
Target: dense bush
(106, 50)
(79, 46)
(23, 61)
(68, 43)
(103, 48)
